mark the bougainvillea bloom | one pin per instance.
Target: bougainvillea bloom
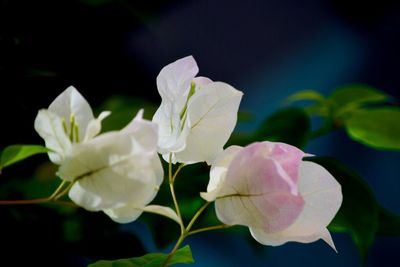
(196, 115)
(116, 172)
(267, 187)
(69, 119)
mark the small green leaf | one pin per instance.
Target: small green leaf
(378, 128)
(15, 153)
(357, 94)
(182, 256)
(350, 98)
(389, 223)
(289, 125)
(358, 214)
(305, 95)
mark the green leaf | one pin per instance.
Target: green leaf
(182, 256)
(378, 128)
(357, 94)
(289, 125)
(305, 95)
(389, 223)
(358, 214)
(350, 98)
(15, 153)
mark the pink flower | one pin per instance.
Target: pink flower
(267, 187)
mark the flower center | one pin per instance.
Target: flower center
(183, 113)
(71, 130)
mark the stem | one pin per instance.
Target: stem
(172, 189)
(64, 191)
(177, 171)
(185, 232)
(197, 215)
(25, 202)
(173, 251)
(215, 227)
(53, 197)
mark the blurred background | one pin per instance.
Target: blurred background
(268, 49)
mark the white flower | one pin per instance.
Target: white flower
(196, 115)
(69, 119)
(267, 187)
(116, 172)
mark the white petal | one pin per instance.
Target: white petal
(145, 132)
(164, 211)
(110, 172)
(277, 239)
(323, 197)
(172, 137)
(173, 84)
(201, 81)
(125, 214)
(174, 79)
(212, 114)
(326, 236)
(218, 172)
(72, 102)
(94, 126)
(50, 127)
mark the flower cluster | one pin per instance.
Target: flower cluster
(265, 186)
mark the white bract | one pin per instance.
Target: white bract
(69, 119)
(116, 172)
(267, 187)
(196, 115)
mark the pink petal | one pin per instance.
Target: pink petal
(257, 192)
(289, 157)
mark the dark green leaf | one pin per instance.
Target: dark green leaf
(389, 223)
(305, 95)
(182, 256)
(358, 214)
(15, 153)
(378, 128)
(348, 99)
(289, 125)
(356, 95)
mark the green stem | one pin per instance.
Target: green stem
(177, 172)
(25, 202)
(173, 251)
(65, 191)
(215, 227)
(186, 232)
(172, 189)
(197, 215)
(53, 197)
